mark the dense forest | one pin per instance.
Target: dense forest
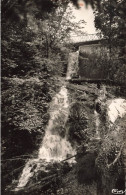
(36, 43)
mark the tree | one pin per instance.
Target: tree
(18, 9)
(39, 35)
(93, 3)
(55, 31)
(110, 20)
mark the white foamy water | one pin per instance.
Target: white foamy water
(97, 122)
(72, 65)
(55, 146)
(101, 98)
(117, 108)
(27, 173)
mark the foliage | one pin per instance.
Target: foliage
(98, 61)
(24, 118)
(77, 124)
(27, 43)
(110, 158)
(105, 67)
(93, 3)
(54, 31)
(18, 9)
(110, 21)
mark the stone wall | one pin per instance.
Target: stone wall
(90, 66)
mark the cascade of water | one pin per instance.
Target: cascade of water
(101, 98)
(54, 147)
(72, 70)
(97, 123)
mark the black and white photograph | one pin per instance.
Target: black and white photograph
(63, 97)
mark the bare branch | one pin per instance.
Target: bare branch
(116, 159)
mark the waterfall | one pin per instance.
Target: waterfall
(98, 104)
(54, 147)
(97, 123)
(72, 70)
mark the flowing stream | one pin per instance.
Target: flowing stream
(55, 146)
